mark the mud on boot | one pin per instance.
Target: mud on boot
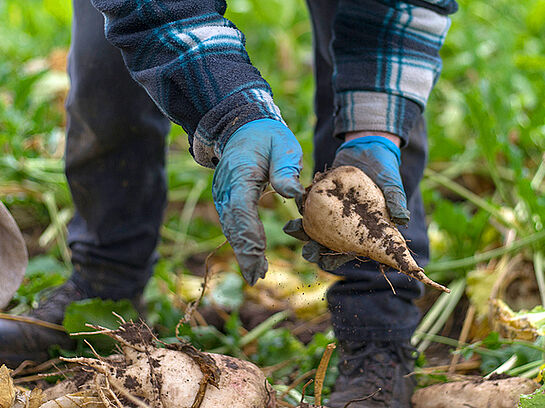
(364, 368)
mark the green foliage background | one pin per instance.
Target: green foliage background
(486, 136)
(485, 115)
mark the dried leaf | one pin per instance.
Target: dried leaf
(7, 390)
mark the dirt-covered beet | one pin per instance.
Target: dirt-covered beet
(504, 393)
(151, 374)
(345, 211)
(240, 384)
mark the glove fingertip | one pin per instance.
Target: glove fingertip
(401, 220)
(299, 201)
(253, 268)
(295, 229)
(330, 263)
(288, 187)
(398, 214)
(311, 251)
(397, 206)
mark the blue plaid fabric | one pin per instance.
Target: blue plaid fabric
(386, 57)
(193, 63)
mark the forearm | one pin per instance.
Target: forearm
(387, 60)
(193, 64)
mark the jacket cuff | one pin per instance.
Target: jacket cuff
(218, 124)
(375, 111)
(443, 7)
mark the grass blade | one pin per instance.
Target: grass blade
(469, 196)
(263, 327)
(540, 275)
(486, 256)
(427, 321)
(51, 205)
(457, 290)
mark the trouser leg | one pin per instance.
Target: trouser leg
(115, 157)
(322, 13)
(362, 304)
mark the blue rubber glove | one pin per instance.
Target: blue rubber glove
(379, 158)
(261, 151)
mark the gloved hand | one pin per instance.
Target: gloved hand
(261, 151)
(379, 158)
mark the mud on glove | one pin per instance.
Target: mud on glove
(380, 159)
(260, 151)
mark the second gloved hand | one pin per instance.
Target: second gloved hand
(379, 158)
(261, 151)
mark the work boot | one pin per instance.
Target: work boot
(364, 368)
(20, 341)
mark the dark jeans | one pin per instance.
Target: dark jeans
(115, 159)
(362, 305)
(115, 165)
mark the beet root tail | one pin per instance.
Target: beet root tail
(422, 277)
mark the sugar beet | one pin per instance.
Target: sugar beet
(345, 211)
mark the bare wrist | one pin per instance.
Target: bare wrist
(363, 133)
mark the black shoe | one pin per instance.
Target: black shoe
(20, 341)
(365, 368)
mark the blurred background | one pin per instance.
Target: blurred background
(483, 191)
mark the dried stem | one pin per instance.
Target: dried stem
(310, 323)
(320, 373)
(305, 390)
(381, 268)
(110, 333)
(470, 314)
(31, 378)
(192, 306)
(32, 320)
(460, 367)
(22, 369)
(285, 404)
(297, 382)
(126, 394)
(107, 403)
(364, 398)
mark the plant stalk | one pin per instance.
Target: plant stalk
(469, 196)
(540, 275)
(263, 327)
(457, 290)
(486, 256)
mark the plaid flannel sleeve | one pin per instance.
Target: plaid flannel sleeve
(386, 56)
(193, 63)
